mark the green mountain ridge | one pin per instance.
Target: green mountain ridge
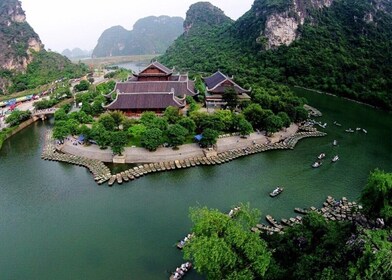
(338, 46)
(150, 35)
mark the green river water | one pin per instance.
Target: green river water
(56, 223)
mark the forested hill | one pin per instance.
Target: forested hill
(338, 46)
(150, 35)
(24, 63)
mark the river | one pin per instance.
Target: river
(56, 223)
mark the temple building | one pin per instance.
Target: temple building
(218, 84)
(153, 89)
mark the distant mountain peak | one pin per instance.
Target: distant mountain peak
(150, 35)
(204, 13)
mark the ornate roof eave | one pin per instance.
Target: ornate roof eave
(114, 101)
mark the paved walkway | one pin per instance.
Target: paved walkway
(141, 155)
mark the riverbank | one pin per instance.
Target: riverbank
(230, 149)
(334, 95)
(141, 155)
(4, 135)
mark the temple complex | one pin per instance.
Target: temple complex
(218, 84)
(153, 89)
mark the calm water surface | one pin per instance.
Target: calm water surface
(56, 223)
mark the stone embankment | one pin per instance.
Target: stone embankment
(102, 173)
(99, 170)
(332, 210)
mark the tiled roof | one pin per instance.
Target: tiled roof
(158, 65)
(214, 83)
(215, 79)
(157, 100)
(179, 88)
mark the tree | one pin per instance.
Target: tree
(152, 138)
(85, 131)
(375, 259)
(107, 121)
(82, 86)
(118, 117)
(230, 96)
(137, 130)
(244, 127)
(100, 135)
(273, 123)
(300, 114)
(255, 115)
(224, 247)
(72, 126)
(176, 135)
(119, 141)
(188, 123)
(210, 137)
(285, 119)
(60, 115)
(172, 114)
(376, 197)
(60, 131)
(16, 117)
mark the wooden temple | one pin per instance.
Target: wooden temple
(217, 84)
(153, 89)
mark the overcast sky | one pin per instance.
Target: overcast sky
(68, 24)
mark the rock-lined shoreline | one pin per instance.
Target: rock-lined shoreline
(102, 173)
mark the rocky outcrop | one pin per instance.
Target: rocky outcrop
(17, 39)
(282, 28)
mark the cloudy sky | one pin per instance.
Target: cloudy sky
(65, 24)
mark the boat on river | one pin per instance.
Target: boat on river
(358, 129)
(273, 222)
(349, 130)
(335, 142)
(335, 158)
(276, 192)
(180, 245)
(364, 130)
(180, 272)
(336, 123)
(301, 211)
(321, 156)
(317, 164)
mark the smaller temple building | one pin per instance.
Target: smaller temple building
(153, 89)
(217, 84)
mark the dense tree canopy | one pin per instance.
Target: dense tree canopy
(224, 247)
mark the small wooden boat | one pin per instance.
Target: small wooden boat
(364, 130)
(317, 164)
(321, 156)
(287, 222)
(335, 158)
(180, 272)
(349, 130)
(234, 211)
(180, 245)
(335, 142)
(336, 123)
(267, 228)
(273, 222)
(301, 211)
(276, 192)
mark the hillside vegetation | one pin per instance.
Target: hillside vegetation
(344, 48)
